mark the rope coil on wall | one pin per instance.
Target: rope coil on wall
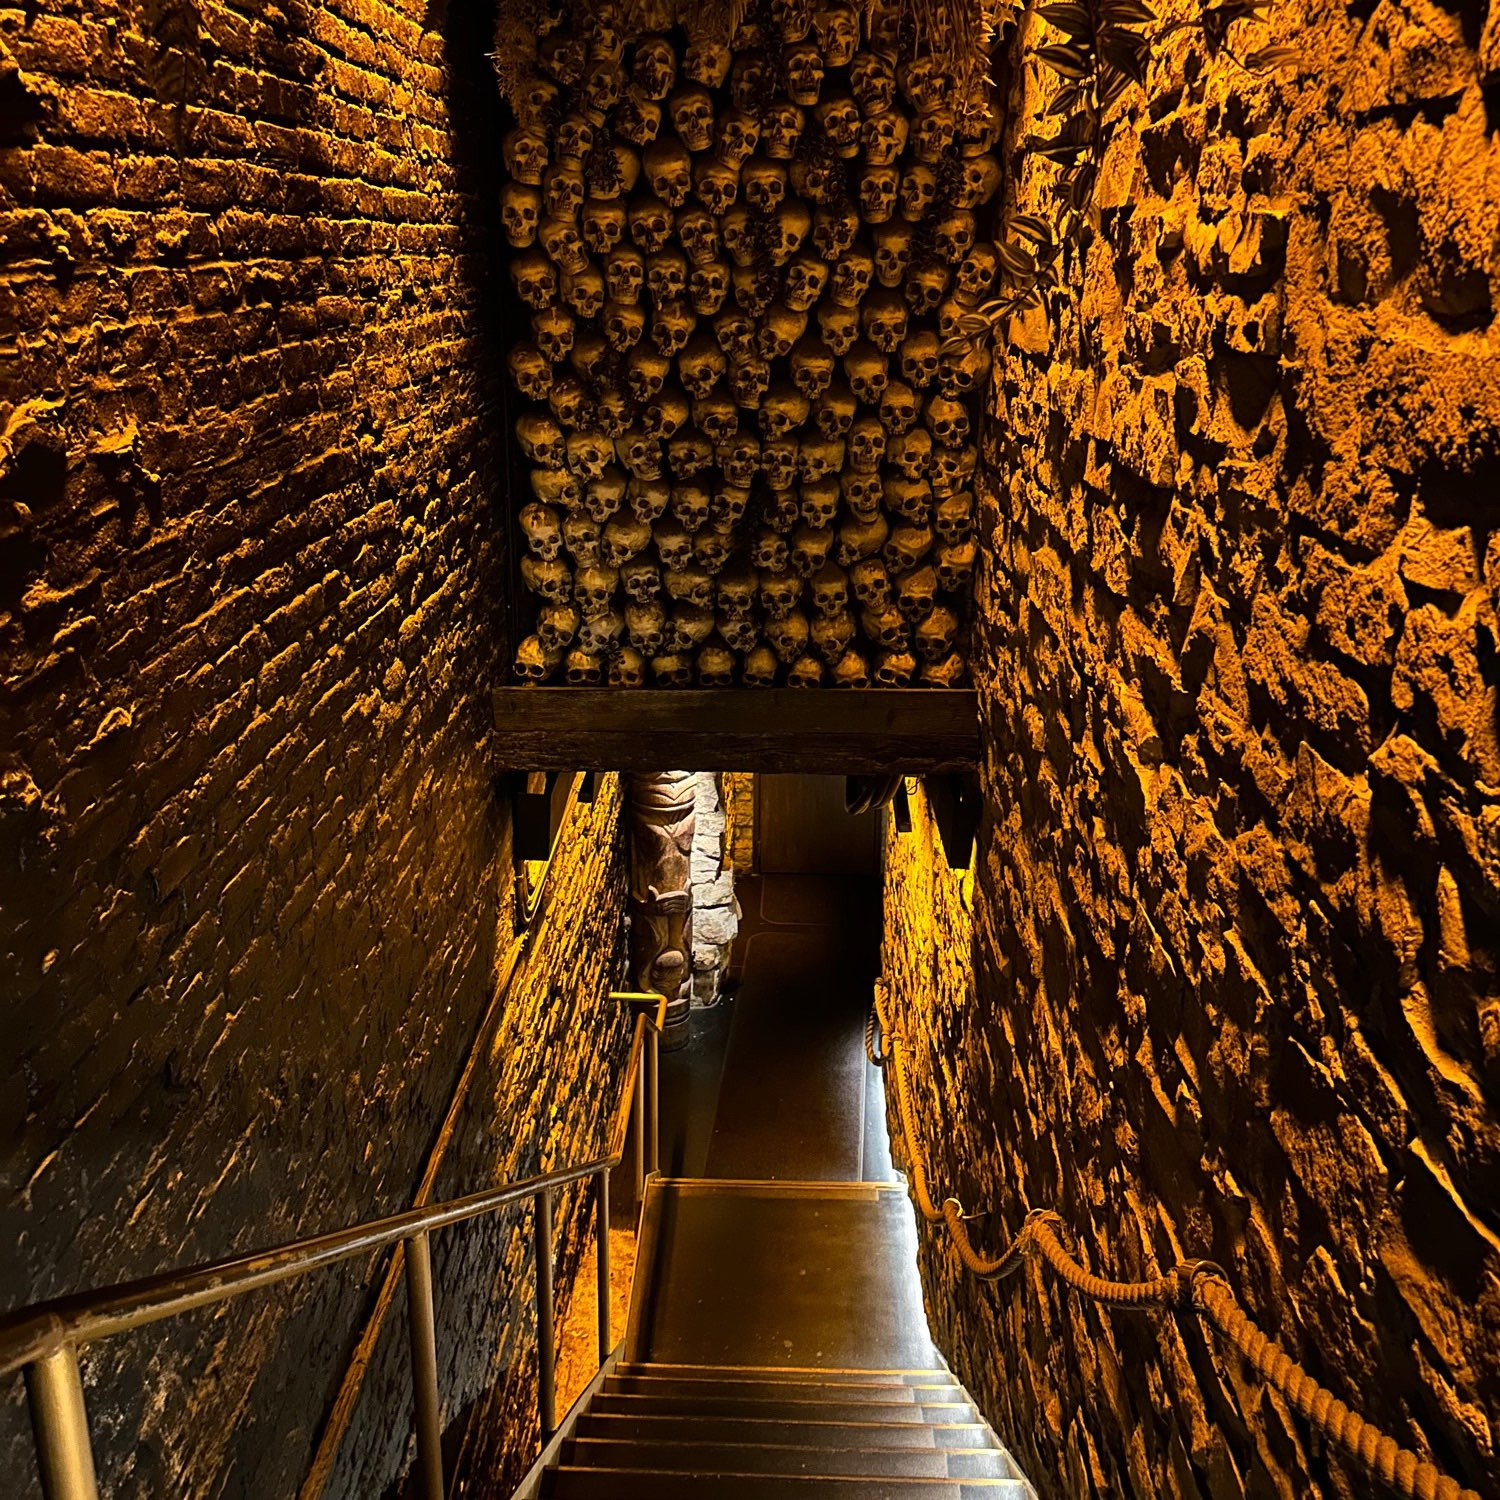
(1199, 1286)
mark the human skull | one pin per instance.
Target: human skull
(735, 333)
(910, 499)
(820, 458)
(748, 83)
(569, 401)
(563, 56)
(781, 130)
(866, 444)
(651, 223)
(673, 546)
(536, 662)
(625, 274)
(715, 185)
(543, 530)
(708, 286)
(817, 179)
(954, 518)
(654, 69)
(788, 230)
(851, 277)
(804, 73)
(603, 497)
(883, 318)
(834, 230)
(665, 413)
(779, 457)
(737, 135)
(834, 411)
(893, 243)
(779, 330)
(740, 458)
(895, 669)
(535, 279)
(764, 182)
(950, 672)
(574, 140)
(583, 291)
(627, 668)
(867, 372)
(690, 453)
(562, 191)
(739, 635)
(646, 373)
(715, 666)
(690, 586)
(916, 593)
(623, 326)
(873, 82)
(806, 672)
(947, 420)
(641, 579)
(701, 364)
(666, 276)
(648, 499)
(837, 29)
(715, 417)
(728, 505)
(920, 358)
(812, 367)
(556, 626)
(556, 488)
(859, 539)
(922, 83)
(588, 453)
(554, 329)
(603, 85)
(953, 468)
(819, 503)
(711, 549)
(863, 490)
(918, 191)
(669, 170)
(831, 635)
(603, 225)
(739, 236)
(531, 371)
(692, 111)
(899, 409)
(810, 549)
(870, 582)
(980, 182)
(911, 453)
(779, 590)
(673, 670)
(976, 276)
(884, 625)
(877, 193)
(806, 278)
(563, 243)
(637, 119)
(672, 326)
(690, 506)
(954, 565)
(839, 327)
(954, 236)
(734, 595)
(840, 120)
(640, 454)
(706, 62)
(698, 231)
(749, 380)
(600, 634)
(521, 213)
(788, 635)
(552, 581)
(932, 135)
(906, 547)
(613, 170)
(689, 625)
(925, 287)
(768, 552)
(936, 634)
(541, 439)
(760, 668)
(963, 370)
(884, 136)
(525, 154)
(851, 670)
(536, 104)
(781, 510)
(594, 588)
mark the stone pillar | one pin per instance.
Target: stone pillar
(715, 911)
(662, 816)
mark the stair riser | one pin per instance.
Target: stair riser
(809, 1434)
(760, 1374)
(619, 1484)
(726, 1458)
(644, 1385)
(789, 1411)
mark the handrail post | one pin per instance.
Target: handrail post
(60, 1421)
(640, 1132)
(653, 1100)
(601, 1256)
(424, 1375)
(546, 1353)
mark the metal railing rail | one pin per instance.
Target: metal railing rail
(1198, 1286)
(44, 1339)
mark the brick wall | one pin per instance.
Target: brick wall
(1230, 987)
(254, 877)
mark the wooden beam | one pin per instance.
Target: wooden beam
(831, 731)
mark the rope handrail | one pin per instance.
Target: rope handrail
(1199, 1286)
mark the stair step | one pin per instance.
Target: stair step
(782, 1390)
(793, 1374)
(565, 1483)
(637, 1427)
(784, 1410)
(762, 1458)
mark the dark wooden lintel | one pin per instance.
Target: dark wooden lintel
(829, 731)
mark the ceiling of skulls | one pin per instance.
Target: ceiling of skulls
(750, 442)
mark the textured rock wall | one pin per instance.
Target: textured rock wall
(254, 878)
(716, 913)
(1235, 960)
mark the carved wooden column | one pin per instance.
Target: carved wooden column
(662, 819)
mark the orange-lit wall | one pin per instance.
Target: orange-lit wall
(254, 871)
(1236, 913)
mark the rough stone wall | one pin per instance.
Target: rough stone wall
(739, 814)
(1236, 903)
(716, 913)
(254, 875)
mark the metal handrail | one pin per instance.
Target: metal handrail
(44, 1338)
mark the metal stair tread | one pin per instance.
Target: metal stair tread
(569, 1483)
(740, 1428)
(723, 1406)
(779, 1374)
(787, 1458)
(947, 1390)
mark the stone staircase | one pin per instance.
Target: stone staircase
(776, 1346)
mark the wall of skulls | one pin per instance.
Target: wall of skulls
(751, 459)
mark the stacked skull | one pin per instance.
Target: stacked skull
(751, 444)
